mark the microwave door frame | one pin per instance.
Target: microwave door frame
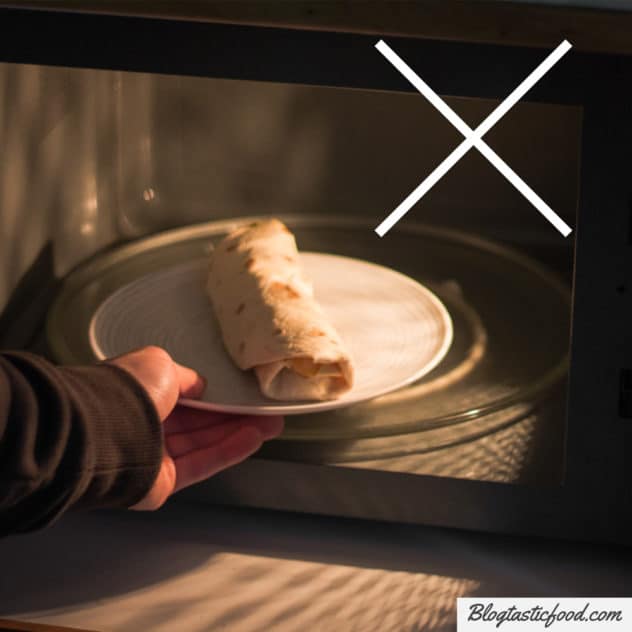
(595, 499)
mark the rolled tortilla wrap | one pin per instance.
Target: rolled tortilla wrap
(269, 318)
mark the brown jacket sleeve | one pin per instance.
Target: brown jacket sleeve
(71, 437)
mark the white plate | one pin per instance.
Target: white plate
(396, 330)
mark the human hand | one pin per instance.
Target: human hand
(198, 443)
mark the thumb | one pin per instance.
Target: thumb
(190, 383)
(163, 379)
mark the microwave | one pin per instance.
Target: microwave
(132, 140)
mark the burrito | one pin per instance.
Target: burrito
(269, 318)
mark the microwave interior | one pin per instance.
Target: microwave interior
(111, 175)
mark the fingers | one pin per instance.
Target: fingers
(186, 419)
(201, 464)
(181, 443)
(211, 443)
(190, 383)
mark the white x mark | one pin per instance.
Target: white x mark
(473, 138)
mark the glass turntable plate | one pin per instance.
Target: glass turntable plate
(510, 316)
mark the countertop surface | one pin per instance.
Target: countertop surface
(199, 567)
